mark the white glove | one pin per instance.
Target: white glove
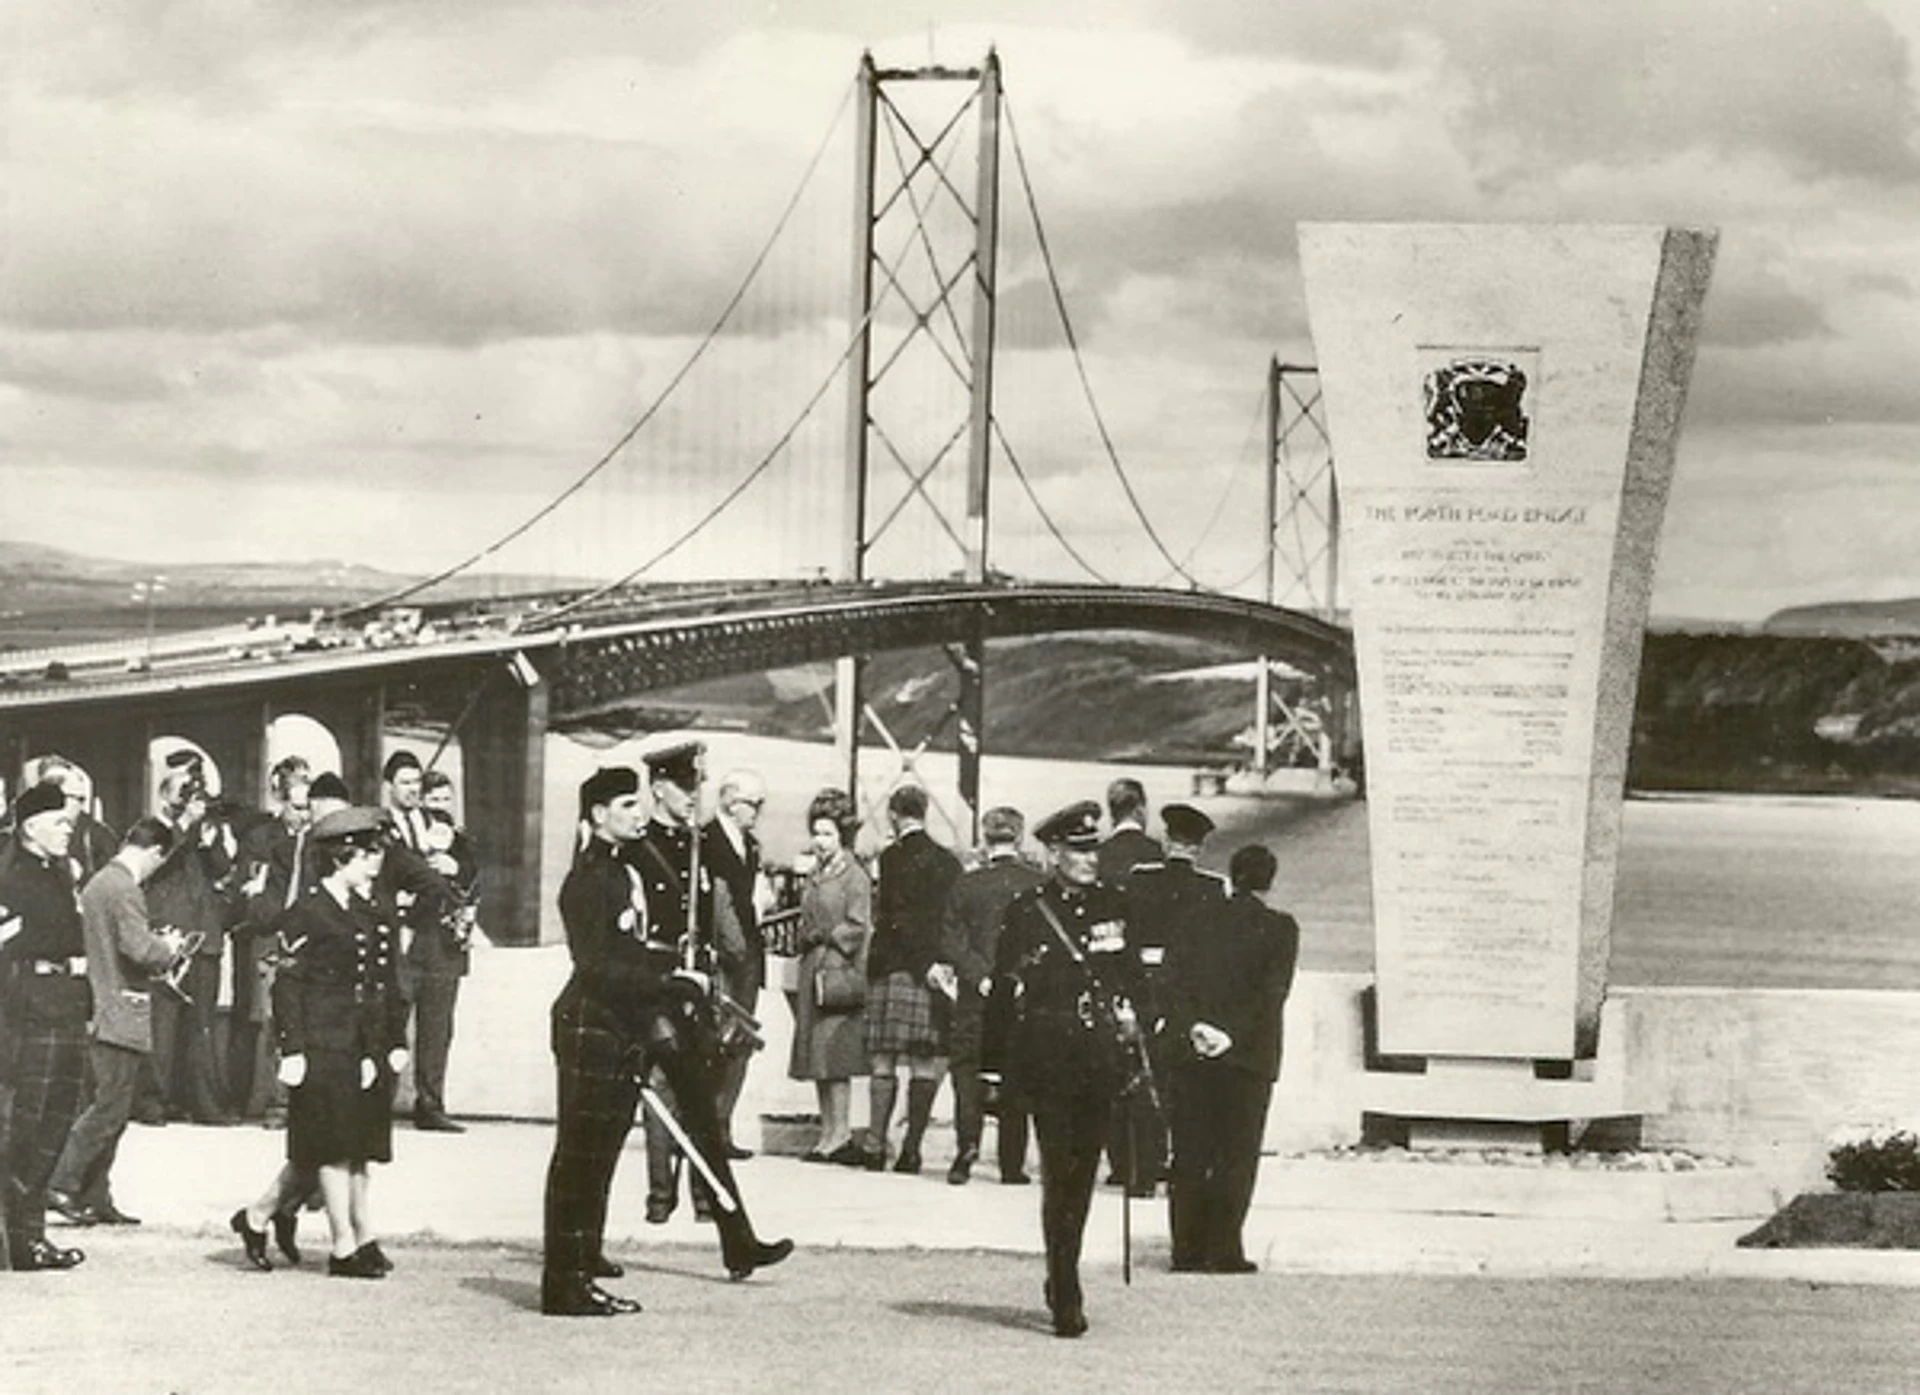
(1208, 1040)
(942, 980)
(256, 883)
(397, 1059)
(368, 1072)
(293, 1070)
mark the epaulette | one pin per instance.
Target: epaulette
(1213, 875)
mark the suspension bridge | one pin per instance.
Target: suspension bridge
(801, 486)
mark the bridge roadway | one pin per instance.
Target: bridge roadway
(500, 676)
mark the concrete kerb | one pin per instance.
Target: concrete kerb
(485, 1187)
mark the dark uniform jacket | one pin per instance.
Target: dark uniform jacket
(1167, 902)
(976, 907)
(746, 967)
(915, 875)
(619, 978)
(338, 988)
(1125, 849)
(1050, 1026)
(1235, 972)
(40, 892)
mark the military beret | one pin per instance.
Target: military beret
(356, 822)
(1076, 826)
(397, 762)
(42, 798)
(1002, 825)
(327, 785)
(1185, 824)
(679, 763)
(607, 784)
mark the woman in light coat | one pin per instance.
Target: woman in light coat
(836, 917)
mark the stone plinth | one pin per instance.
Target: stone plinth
(1503, 404)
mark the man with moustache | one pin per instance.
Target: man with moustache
(43, 1021)
(1062, 1031)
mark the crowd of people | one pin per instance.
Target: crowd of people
(1105, 997)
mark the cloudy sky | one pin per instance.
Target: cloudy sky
(372, 281)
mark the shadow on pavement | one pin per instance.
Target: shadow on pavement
(986, 1314)
(515, 1293)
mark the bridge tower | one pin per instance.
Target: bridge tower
(920, 382)
(1302, 565)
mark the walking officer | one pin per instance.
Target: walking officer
(1062, 1031)
(617, 1012)
(45, 1002)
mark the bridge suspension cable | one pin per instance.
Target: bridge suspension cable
(1226, 493)
(1079, 364)
(1019, 473)
(626, 438)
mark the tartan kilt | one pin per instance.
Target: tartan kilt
(903, 1017)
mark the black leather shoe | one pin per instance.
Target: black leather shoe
(908, 1161)
(763, 1255)
(848, 1154)
(571, 1295)
(659, 1211)
(875, 1161)
(961, 1170)
(71, 1209)
(113, 1215)
(286, 1226)
(355, 1266)
(735, 1153)
(1242, 1265)
(614, 1301)
(1069, 1322)
(373, 1257)
(253, 1241)
(1014, 1179)
(437, 1123)
(44, 1254)
(604, 1268)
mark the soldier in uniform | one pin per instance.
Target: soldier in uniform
(622, 1009)
(1226, 988)
(45, 1002)
(341, 1023)
(1061, 1029)
(969, 933)
(1168, 900)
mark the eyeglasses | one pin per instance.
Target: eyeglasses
(750, 803)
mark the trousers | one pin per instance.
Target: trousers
(85, 1168)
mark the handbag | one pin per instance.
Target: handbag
(840, 984)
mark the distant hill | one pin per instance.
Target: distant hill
(1854, 618)
(50, 596)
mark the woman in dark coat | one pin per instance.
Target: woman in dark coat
(836, 916)
(342, 1032)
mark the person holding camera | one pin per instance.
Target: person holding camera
(124, 951)
(185, 893)
(342, 1028)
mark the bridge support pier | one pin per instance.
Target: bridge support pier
(503, 748)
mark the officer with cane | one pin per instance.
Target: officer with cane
(1061, 1028)
(622, 1009)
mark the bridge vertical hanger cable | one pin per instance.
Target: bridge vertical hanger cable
(713, 333)
(1079, 364)
(1226, 493)
(1019, 473)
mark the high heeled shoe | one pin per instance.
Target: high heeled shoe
(254, 1242)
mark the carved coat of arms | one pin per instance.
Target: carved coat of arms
(1476, 410)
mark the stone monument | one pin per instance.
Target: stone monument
(1504, 403)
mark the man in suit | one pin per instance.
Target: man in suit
(123, 954)
(185, 893)
(1167, 901)
(439, 956)
(732, 851)
(1128, 844)
(969, 933)
(1225, 992)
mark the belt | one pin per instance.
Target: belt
(75, 967)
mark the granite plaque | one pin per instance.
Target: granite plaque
(1503, 404)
